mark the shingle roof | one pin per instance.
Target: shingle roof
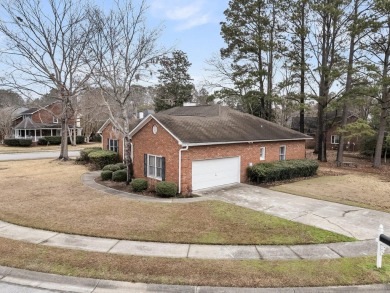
(26, 123)
(29, 111)
(220, 124)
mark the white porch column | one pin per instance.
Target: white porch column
(35, 135)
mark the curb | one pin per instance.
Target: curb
(47, 281)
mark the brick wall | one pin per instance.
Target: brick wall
(248, 153)
(108, 133)
(160, 144)
(163, 144)
(46, 115)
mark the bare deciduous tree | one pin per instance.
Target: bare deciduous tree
(125, 49)
(46, 45)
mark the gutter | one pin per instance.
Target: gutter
(247, 141)
(180, 155)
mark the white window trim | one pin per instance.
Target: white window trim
(332, 139)
(284, 154)
(55, 120)
(155, 167)
(112, 147)
(262, 153)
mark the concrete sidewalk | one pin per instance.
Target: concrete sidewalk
(28, 281)
(192, 251)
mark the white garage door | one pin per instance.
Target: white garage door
(210, 173)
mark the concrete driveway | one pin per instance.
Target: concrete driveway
(35, 155)
(351, 221)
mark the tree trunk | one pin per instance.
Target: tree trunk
(348, 87)
(302, 74)
(64, 139)
(385, 101)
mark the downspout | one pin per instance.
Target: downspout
(123, 149)
(132, 152)
(180, 151)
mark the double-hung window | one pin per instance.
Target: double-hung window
(335, 139)
(282, 153)
(155, 166)
(113, 145)
(262, 153)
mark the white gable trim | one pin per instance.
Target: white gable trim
(104, 126)
(146, 120)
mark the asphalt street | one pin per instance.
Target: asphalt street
(35, 155)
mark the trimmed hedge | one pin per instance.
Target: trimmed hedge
(56, 140)
(282, 170)
(166, 189)
(18, 142)
(119, 176)
(139, 184)
(85, 152)
(121, 165)
(106, 175)
(53, 140)
(111, 167)
(100, 158)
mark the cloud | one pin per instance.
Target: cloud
(187, 14)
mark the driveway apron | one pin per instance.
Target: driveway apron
(351, 221)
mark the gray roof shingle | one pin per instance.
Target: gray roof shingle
(221, 124)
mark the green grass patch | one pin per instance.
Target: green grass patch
(232, 273)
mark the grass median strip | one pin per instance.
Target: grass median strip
(48, 194)
(248, 273)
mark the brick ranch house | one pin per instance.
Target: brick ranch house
(199, 147)
(36, 123)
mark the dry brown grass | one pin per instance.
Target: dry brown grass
(363, 186)
(4, 149)
(48, 194)
(248, 273)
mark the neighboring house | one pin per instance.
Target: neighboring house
(332, 137)
(35, 123)
(204, 146)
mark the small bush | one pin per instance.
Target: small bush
(111, 167)
(166, 189)
(25, 142)
(53, 140)
(106, 175)
(282, 170)
(139, 184)
(42, 141)
(100, 158)
(11, 141)
(18, 142)
(85, 152)
(119, 176)
(96, 138)
(121, 165)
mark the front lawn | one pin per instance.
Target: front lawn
(352, 188)
(232, 273)
(48, 194)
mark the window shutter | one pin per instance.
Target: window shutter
(108, 143)
(145, 165)
(163, 168)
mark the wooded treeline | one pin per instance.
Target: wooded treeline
(280, 55)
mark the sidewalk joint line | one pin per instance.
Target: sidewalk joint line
(261, 256)
(44, 241)
(289, 247)
(188, 251)
(113, 246)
